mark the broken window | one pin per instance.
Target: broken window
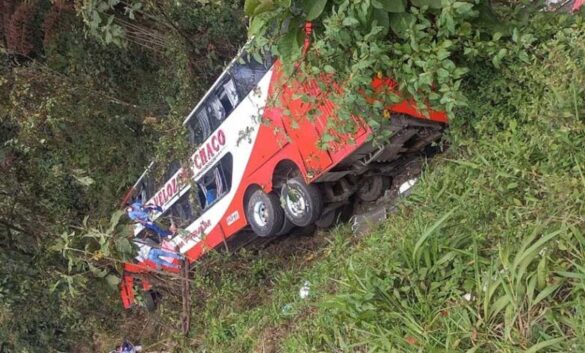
(216, 183)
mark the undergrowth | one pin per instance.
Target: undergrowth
(487, 254)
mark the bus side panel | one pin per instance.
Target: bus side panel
(305, 135)
(213, 239)
(407, 107)
(271, 139)
(194, 252)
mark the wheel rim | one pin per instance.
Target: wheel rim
(296, 203)
(260, 214)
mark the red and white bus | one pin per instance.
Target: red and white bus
(259, 165)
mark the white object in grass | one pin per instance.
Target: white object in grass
(406, 185)
(304, 291)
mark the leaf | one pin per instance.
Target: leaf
(123, 246)
(395, 6)
(400, 24)
(314, 8)
(114, 220)
(329, 69)
(499, 304)
(289, 46)
(432, 4)
(350, 21)
(544, 344)
(382, 19)
(108, 37)
(430, 231)
(527, 255)
(545, 293)
(265, 6)
(250, 6)
(85, 180)
(256, 7)
(113, 280)
(100, 273)
(256, 25)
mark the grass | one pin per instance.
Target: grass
(487, 254)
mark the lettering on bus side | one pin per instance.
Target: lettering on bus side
(200, 231)
(168, 191)
(232, 218)
(207, 153)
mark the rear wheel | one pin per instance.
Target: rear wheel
(287, 226)
(327, 219)
(264, 213)
(373, 187)
(302, 203)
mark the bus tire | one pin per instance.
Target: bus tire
(302, 203)
(264, 213)
(373, 187)
(327, 219)
(287, 226)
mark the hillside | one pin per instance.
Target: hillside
(485, 255)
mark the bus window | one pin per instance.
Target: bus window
(222, 102)
(247, 72)
(216, 183)
(228, 95)
(182, 212)
(146, 188)
(215, 111)
(199, 128)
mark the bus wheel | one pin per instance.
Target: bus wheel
(373, 187)
(264, 213)
(302, 202)
(327, 219)
(287, 226)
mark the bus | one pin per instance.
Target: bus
(258, 162)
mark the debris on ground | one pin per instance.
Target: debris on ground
(287, 309)
(404, 189)
(304, 291)
(365, 222)
(367, 218)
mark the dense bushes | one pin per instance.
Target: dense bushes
(78, 121)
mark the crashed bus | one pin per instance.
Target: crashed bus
(256, 149)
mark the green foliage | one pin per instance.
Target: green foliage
(485, 256)
(427, 47)
(78, 124)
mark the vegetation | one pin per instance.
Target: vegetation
(486, 256)
(78, 122)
